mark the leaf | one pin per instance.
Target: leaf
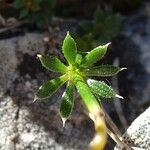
(103, 71)
(87, 96)
(94, 55)
(50, 87)
(78, 59)
(99, 16)
(66, 102)
(23, 13)
(101, 88)
(52, 63)
(69, 49)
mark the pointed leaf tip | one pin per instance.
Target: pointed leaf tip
(108, 44)
(118, 96)
(35, 98)
(39, 56)
(64, 121)
(124, 68)
(68, 33)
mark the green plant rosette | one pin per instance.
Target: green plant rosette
(77, 74)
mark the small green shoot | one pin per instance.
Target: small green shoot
(76, 74)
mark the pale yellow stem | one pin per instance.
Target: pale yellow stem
(100, 138)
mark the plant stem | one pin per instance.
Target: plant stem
(95, 113)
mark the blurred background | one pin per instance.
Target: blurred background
(30, 27)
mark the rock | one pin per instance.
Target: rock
(8, 64)
(137, 28)
(18, 132)
(11, 55)
(138, 134)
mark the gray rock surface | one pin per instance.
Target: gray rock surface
(138, 134)
(11, 52)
